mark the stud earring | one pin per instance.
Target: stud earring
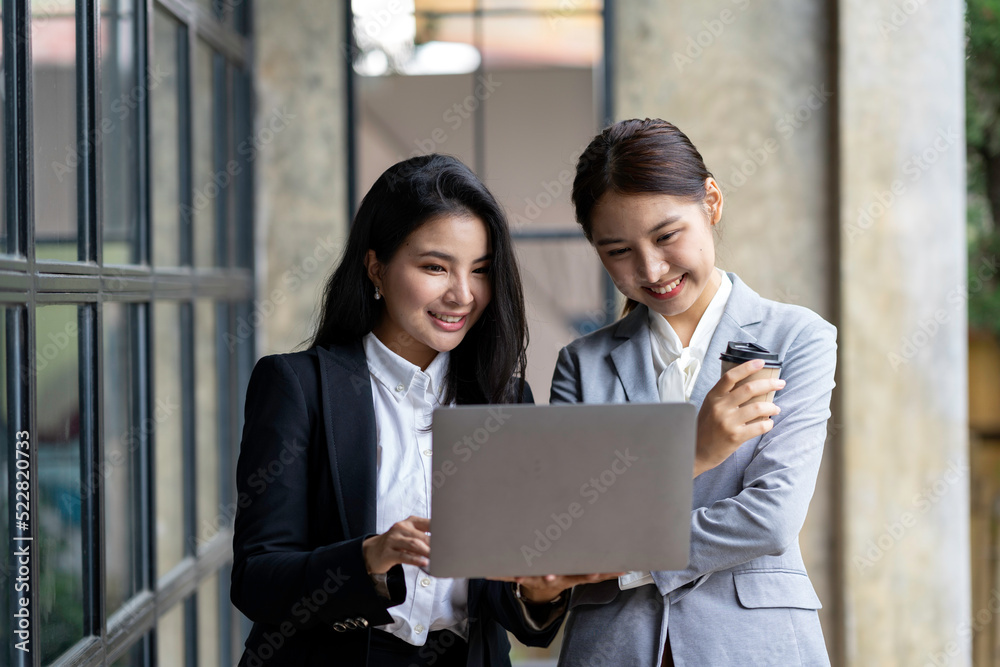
(378, 295)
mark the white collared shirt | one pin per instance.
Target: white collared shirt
(405, 398)
(676, 369)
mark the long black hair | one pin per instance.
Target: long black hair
(488, 365)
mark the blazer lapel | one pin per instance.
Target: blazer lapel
(739, 323)
(349, 422)
(633, 358)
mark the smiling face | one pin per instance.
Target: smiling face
(434, 288)
(658, 250)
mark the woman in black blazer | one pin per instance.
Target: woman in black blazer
(427, 290)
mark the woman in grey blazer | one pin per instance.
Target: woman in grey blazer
(648, 205)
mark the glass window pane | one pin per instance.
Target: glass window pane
(404, 116)
(532, 173)
(208, 622)
(207, 421)
(413, 115)
(120, 100)
(213, 7)
(58, 509)
(207, 187)
(164, 143)
(168, 459)
(133, 655)
(133, 658)
(56, 149)
(170, 638)
(120, 443)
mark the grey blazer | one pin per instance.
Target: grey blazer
(745, 598)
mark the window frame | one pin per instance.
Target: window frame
(89, 283)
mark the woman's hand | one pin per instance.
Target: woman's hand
(549, 587)
(723, 425)
(406, 543)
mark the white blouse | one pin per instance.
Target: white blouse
(676, 369)
(405, 398)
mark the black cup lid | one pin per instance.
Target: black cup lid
(739, 353)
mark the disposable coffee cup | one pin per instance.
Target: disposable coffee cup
(739, 353)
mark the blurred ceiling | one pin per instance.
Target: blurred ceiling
(422, 36)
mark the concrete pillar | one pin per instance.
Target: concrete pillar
(903, 332)
(752, 85)
(837, 132)
(300, 168)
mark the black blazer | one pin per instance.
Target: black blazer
(306, 482)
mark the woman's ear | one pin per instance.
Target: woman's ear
(713, 201)
(373, 267)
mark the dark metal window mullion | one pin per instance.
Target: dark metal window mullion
(220, 158)
(148, 348)
(141, 252)
(88, 178)
(189, 470)
(91, 480)
(185, 46)
(143, 427)
(187, 37)
(230, 233)
(479, 113)
(351, 109)
(191, 630)
(140, 341)
(241, 17)
(610, 291)
(609, 62)
(17, 128)
(88, 21)
(21, 417)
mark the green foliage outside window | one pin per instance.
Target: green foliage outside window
(982, 113)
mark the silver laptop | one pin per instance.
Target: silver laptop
(522, 490)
